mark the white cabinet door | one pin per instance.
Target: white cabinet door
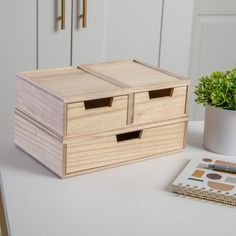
(17, 52)
(117, 30)
(213, 44)
(133, 30)
(54, 43)
(176, 36)
(88, 43)
(198, 37)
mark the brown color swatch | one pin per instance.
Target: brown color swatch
(220, 186)
(207, 160)
(214, 176)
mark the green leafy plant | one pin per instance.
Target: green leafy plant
(217, 89)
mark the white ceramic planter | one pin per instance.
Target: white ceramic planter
(220, 130)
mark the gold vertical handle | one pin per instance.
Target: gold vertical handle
(62, 14)
(84, 23)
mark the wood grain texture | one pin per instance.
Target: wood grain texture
(3, 222)
(103, 77)
(129, 128)
(39, 105)
(68, 82)
(100, 168)
(73, 85)
(130, 109)
(77, 84)
(97, 120)
(99, 152)
(36, 142)
(148, 110)
(104, 151)
(45, 74)
(119, 92)
(159, 69)
(135, 74)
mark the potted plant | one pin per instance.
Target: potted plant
(218, 93)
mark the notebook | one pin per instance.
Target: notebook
(197, 180)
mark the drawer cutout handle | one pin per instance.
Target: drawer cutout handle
(161, 93)
(96, 103)
(128, 136)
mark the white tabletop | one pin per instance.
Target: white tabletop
(122, 201)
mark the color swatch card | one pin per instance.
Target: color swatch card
(198, 179)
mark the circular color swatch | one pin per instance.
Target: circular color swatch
(207, 160)
(213, 176)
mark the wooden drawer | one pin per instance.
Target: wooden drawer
(97, 115)
(159, 105)
(77, 155)
(124, 147)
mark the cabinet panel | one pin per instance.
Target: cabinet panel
(88, 43)
(176, 36)
(54, 44)
(17, 52)
(116, 30)
(133, 30)
(213, 45)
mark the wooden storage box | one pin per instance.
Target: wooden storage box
(77, 120)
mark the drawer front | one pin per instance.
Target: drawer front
(96, 116)
(121, 148)
(159, 105)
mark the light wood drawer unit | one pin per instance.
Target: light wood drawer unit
(72, 119)
(77, 155)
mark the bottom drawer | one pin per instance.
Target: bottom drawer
(125, 147)
(77, 156)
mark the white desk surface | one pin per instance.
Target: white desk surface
(131, 200)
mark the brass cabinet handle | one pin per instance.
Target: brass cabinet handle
(84, 23)
(62, 14)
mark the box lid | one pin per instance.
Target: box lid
(73, 84)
